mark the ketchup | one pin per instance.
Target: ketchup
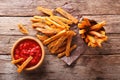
(27, 48)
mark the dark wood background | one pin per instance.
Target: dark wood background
(94, 64)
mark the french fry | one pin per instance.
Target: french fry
(45, 10)
(102, 32)
(72, 33)
(42, 37)
(98, 26)
(53, 22)
(63, 53)
(84, 23)
(61, 49)
(80, 26)
(65, 20)
(41, 25)
(36, 20)
(50, 45)
(22, 29)
(53, 26)
(46, 31)
(89, 43)
(47, 41)
(82, 35)
(58, 43)
(69, 40)
(67, 15)
(56, 29)
(91, 39)
(43, 20)
(64, 43)
(87, 21)
(93, 45)
(16, 61)
(82, 31)
(96, 34)
(67, 53)
(99, 41)
(24, 64)
(86, 40)
(60, 22)
(105, 38)
(40, 19)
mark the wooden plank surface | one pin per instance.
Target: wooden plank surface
(94, 64)
(96, 67)
(27, 8)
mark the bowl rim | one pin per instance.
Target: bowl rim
(41, 46)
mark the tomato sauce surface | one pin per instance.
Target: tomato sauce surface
(27, 48)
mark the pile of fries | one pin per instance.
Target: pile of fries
(92, 32)
(55, 31)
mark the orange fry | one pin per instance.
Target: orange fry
(45, 10)
(67, 15)
(61, 49)
(41, 37)
(99, 41)
(80, 26)
(35, 20)
(41, 25)
(69, 40)
(86, 40)
(65, 20)
(82, 35)
(87, 21)
(16, 61)
(20, 68)
(63, 53)
(22, 29)
(82, 31)
(46, 31)
(102, 32)
(50, 45)
(59, 43)
(47, 41)
(55, 23)
(96, 34)
(60, 22)
(91, 39)
(41, 19)
(98, 26)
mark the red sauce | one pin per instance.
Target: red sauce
(27, 48)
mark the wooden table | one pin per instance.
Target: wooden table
(94, 64)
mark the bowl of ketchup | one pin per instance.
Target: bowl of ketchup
(25, 47)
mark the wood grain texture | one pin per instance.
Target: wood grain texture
(112, 46)
(94, 64)
(97, 67)
(76, 7)
(8, 25)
